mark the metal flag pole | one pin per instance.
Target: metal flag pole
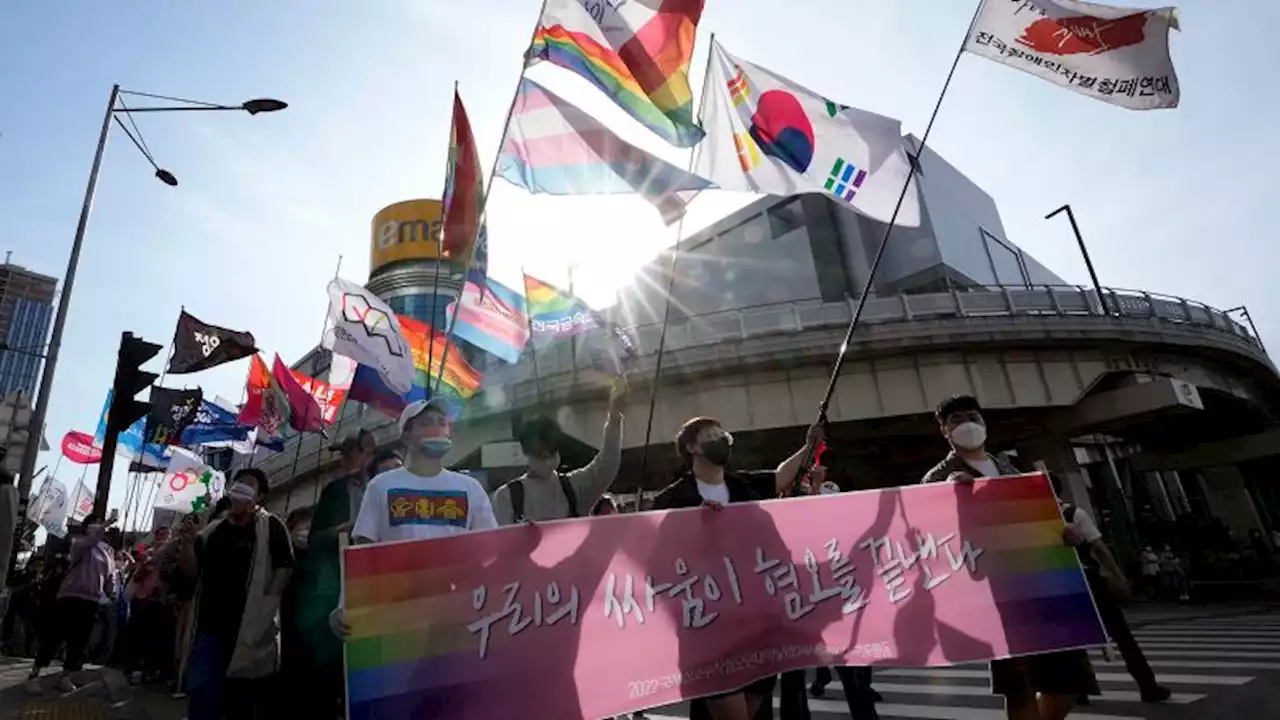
(533, 345)
(867, 287)
(481, 216)
(1088, 263)
(671, 283)
(306, 411)
(435, 281)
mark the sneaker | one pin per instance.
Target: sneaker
(1156, 694)
(66, 684)
(817, 690)
(33, 686)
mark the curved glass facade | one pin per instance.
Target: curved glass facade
(430, 309)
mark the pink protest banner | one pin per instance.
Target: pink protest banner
(596, 617)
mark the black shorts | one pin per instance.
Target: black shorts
(1067, 672)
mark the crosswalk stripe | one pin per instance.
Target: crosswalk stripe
(1196, 664)
(1167, 652)
(1193, 645)
(937, 712)
(983, 691)
(982, 674)
(1210, 634)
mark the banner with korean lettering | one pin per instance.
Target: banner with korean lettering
(1116, 54)
(602, 616)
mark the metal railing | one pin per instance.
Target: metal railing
(804, 315)
(798, 316)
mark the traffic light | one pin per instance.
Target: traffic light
(125, 409)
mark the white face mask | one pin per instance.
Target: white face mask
(969, 435)
(828, 488)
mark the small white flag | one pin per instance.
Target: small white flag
(82, 504)
(189, 484)
(365, 329)
(768, 135)
(1119, 55)
(49, 509)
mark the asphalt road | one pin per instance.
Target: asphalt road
(1219, 668)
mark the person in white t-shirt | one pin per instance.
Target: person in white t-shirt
(421, 500)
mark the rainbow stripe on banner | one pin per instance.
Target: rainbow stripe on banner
(636, 53)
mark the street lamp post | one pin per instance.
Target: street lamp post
(114, 106)
(1097, 286)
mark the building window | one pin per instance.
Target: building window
(786, 217)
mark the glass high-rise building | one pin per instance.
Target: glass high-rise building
(26, 312)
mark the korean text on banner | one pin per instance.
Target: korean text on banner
(1119, 55)
(766, 134)
(705, 602)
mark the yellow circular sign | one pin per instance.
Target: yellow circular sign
(408, 230)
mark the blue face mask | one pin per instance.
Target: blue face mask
(435, 447)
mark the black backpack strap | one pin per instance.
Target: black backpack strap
(569, 495)
(517, 500)
(1068, 512)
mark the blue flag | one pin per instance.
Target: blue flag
(214, 424)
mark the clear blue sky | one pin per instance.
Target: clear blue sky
(1176, 202)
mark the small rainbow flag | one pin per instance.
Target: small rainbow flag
(555, 313)
(636, 53)
(465, 234)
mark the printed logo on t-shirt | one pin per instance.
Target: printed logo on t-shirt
(406, 506)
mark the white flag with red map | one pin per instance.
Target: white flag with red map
(1119, 55)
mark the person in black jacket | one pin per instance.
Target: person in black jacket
(706, 448)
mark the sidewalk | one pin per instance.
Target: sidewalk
(104, 695)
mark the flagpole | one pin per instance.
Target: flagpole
(533, 345)
(867, 287)
(306, 411)
(573, 339)
(671, 282)
(435, 282)
(135, 505)
(484, 207)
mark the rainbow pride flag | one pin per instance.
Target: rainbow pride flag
(555, 313)
(636, 53)
(429, 350)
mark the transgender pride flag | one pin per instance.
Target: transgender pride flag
(553, 147)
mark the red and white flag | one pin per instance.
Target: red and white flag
(1118, 55)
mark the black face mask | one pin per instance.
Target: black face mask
(718, 451)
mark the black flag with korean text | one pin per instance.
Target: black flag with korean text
(171, 412)
(199, 346)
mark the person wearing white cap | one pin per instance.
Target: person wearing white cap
(421, 500)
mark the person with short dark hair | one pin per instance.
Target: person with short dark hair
(1036, 687)
(707, 448)
(386, 460)
(243, 563)
(545, 493)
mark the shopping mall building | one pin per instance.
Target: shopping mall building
(1147, 406)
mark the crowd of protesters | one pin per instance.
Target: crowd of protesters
(242, 612)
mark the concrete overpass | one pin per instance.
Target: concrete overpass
(1047, 362)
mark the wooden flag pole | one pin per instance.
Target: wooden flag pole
(868, 287)
(671, 284)
(482, 214)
